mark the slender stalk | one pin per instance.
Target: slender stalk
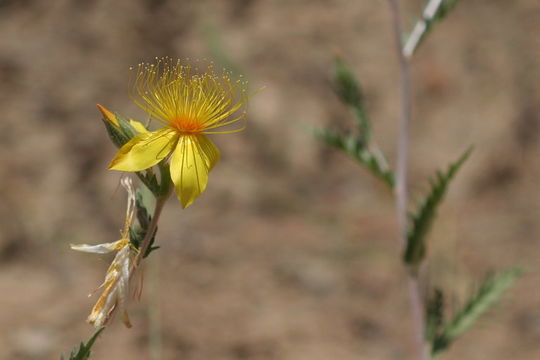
(420, 27)
(415, 294)
(160, 202)
(154, 328)
(155, 340)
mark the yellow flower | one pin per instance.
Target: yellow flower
(189, 106)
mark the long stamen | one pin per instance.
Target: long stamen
(191, 103)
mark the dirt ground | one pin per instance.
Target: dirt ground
(291, 253)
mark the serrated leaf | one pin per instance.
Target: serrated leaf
(489, 292)
(149, 179)
(138, 233)
(445, 8)
(425, 24)
(421, 220)
(356, 150)
(434, 315)
(83, 352)
(350, 92)
(143, 215)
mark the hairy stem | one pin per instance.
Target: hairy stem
(415, 294)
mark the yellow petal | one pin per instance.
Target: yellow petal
(192, 160)
(138, 126)
(145, 150)
(109, 116)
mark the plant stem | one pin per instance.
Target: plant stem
(155, 341)
(415, 293)
(160, 202)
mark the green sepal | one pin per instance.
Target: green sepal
(126, 128)
(422, 219)
(116, 136)
(121, 134)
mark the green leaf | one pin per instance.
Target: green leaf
(350, 92)
(489, 292)
(434, 315)
(83, 352)
(445, 8)
(428, 21)
(423, 218)
(355, 148)
(137, 233)
(149, 179)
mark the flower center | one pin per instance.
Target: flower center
(187, 124)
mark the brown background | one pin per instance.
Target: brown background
(291, 253)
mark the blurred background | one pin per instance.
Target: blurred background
(291, 253)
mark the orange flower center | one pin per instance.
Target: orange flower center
(187, 124)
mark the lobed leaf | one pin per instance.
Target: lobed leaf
(489, 292)
(350, 92)
(149, 179)
(434, 315)
(137, 233)
(423, 218)
(83, 352)
(424, 26)
(355, 149)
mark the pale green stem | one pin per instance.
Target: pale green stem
(415, 291)
(160, 202)
(155, 341)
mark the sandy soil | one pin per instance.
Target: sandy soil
(291, 253)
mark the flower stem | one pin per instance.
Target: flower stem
(155, 340)
(415, 291)
(150, 232)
